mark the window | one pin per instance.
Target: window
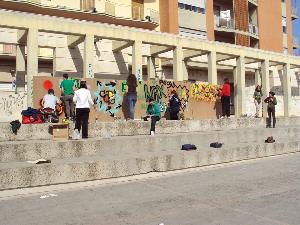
(284, 27)
(192, 8)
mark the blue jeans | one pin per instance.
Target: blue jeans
(131, 99)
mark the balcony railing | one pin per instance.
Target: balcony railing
(253, 29)
(224, 23)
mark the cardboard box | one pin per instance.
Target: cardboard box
(60, 132)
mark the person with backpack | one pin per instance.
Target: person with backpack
(67, 92)
(174, 105)
(272, 102)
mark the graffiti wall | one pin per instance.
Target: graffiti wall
(198, 101)
(11, 105)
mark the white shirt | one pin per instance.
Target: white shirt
(83, 98)
(50, 101)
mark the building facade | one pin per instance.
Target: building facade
(247, 41)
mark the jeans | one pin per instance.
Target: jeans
(82, 121)
(154, 120)
(257, 107)
(131, 99)
(271, 115)
(69, 105)
(225, 100)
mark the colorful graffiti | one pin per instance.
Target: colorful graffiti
(205, 92)
(108, 98)
(181, 89)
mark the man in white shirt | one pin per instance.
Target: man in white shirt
(50, 100)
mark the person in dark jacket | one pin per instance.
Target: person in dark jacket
(174, 105)
(153, 111)
(271, 101)
(225, 98)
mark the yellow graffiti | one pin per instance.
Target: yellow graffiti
(205, 92)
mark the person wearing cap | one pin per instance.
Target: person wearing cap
(271, 101)
(153, 111)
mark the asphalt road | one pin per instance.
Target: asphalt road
(265, 191)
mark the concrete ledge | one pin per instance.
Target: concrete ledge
(32, 150)
(15, 175)
(122, 128)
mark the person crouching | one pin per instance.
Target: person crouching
(83, 99)
(153, 111)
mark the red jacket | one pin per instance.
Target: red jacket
(226, 90)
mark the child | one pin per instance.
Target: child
(49, 103)
(271, 100)
(153, 111)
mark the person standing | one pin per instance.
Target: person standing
(174, 105)
(67, 90)
(131, 94)
(83, 100)
(225, 98)
(272, 102)
(153, 111)
(257, 100)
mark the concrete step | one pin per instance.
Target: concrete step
(23, 174)
(32, 150)
(121, 128)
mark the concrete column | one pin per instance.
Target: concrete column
(185, 70)
(239, 83)
(265, 82)
(20, 67)
(54, 62)
(32, 62)
(257, 78)
(137, 60)
(88, 61)
(287, 91)
(151, 67)
(212, 68)
(178, 64)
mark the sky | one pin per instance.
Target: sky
(296, 23)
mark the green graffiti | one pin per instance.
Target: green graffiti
(124, 84)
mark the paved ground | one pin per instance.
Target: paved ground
(265, 192)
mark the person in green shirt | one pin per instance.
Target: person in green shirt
(67, 92)
(257, 100)
(153, 111)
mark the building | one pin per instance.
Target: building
(151, 38)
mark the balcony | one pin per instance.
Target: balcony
(104, 11)
(295, 42)
(294, 13)
(222, 24)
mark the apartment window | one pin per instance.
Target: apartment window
(87, 5)
(192, 8)
(284, 27)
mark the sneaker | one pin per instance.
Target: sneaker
(152, 133)
(76, 135)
